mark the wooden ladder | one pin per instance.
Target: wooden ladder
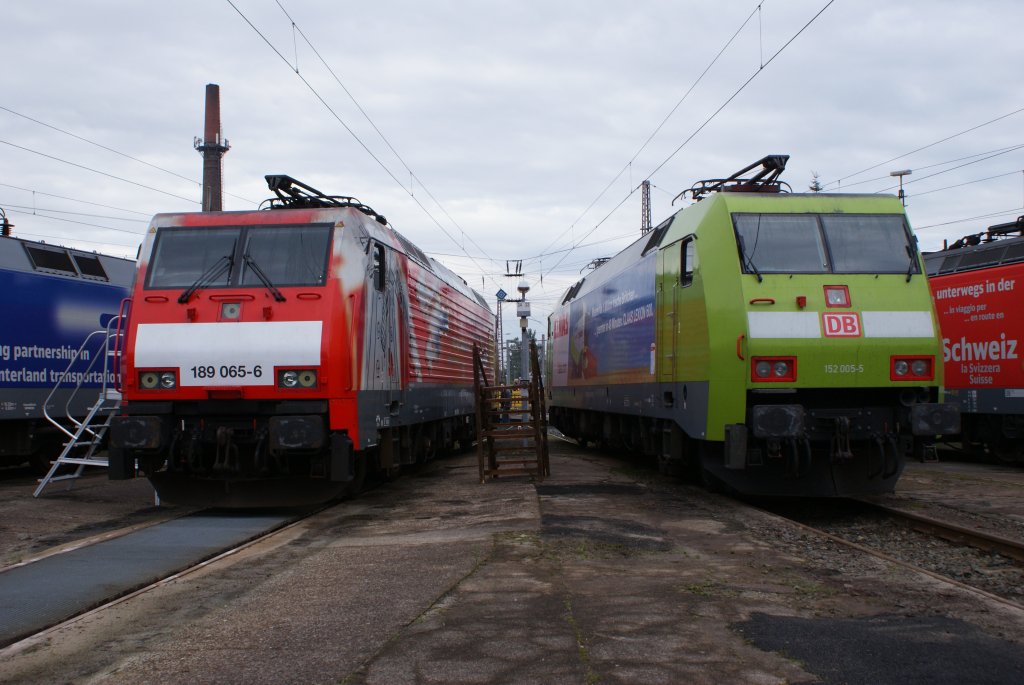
(511, 431)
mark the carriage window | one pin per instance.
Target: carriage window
(379, 265)
(89, 266)
(780, 243)
(51, 259)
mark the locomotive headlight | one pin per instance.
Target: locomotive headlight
(773, 369)
(837, 296)
(158, 380)
(912, 368)
(296, 378)
(230, 310)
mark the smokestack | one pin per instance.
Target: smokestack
(212, 147)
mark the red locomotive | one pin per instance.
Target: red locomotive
(976, 283)
(284, 356)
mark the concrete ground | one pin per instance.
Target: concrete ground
(601, 574)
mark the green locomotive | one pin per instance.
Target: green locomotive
(777, 343)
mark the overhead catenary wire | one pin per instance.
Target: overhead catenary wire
(412, 175)
(658, 128)
(959, 166)
(714, 114)
(356, 137)
(925, 147)
(1008, 148)
(36, 210)
(990, 215)
(97, 171)
(72, 199)
(116, 152)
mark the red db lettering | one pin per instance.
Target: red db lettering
(844, 325)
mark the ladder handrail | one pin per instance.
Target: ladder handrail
(102, 351)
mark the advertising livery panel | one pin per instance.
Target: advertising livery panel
(608, 333)
(981, 328)
(48, 319)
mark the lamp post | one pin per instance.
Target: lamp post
(901, 173)
(523, 311)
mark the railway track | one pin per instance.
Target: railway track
(955, 533)
(53, 589)
(977, 560)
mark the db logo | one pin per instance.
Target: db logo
(845, 325)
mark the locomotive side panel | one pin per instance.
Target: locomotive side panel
(976, 288)
(53, 298)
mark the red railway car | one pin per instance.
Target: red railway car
(283, 356)
(977, 284)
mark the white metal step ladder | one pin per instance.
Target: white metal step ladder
(86, 436)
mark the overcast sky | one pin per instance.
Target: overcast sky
(522, 128)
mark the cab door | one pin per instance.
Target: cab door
(383, 368)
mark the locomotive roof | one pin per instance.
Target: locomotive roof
(671, 230)
(994, 247)
(369, 225)
(983, 256)
(32, 256)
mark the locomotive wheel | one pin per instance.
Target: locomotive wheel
(1006, 450)
(358, 483)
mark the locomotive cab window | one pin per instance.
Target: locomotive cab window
(219, 257)
(688, 257)
(827, 243)
(184, 256)
(379, 265)
(292, 255)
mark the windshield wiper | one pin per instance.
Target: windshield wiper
(263, 278)
(913, 263)
(216, 269)
(746, 258)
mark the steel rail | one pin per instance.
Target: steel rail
(952, 532)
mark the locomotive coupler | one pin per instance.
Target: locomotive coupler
(888, 457)
(841, 439)
(226, 449)
(798, 459)
(931, 419)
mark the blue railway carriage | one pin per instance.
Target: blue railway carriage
(51, 299)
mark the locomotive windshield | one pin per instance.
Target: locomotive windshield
(824, 243)
(186, 257)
